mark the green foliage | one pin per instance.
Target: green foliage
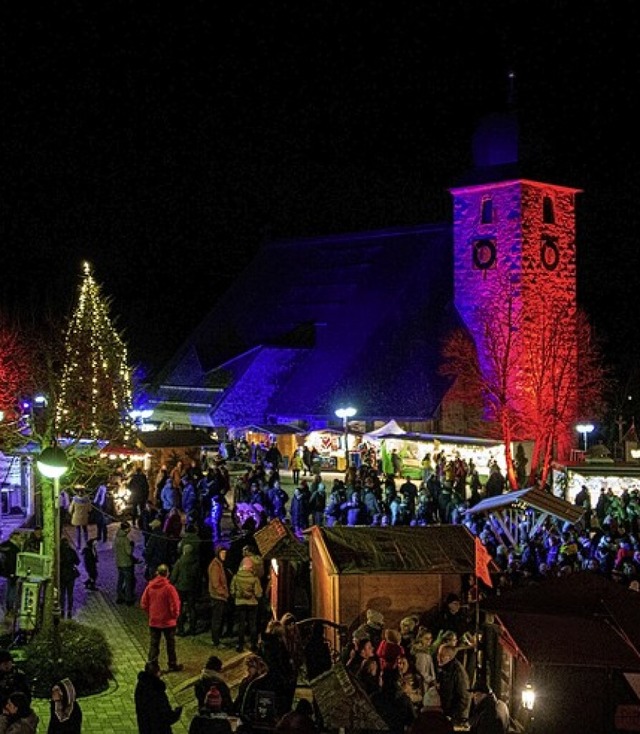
(85, 657)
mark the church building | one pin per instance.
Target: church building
(362, 318)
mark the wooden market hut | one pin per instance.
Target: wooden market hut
(288, 568)
(397, 571)
(171, 445)
(576, 640)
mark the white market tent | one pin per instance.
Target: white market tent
(389, 429)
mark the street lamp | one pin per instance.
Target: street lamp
(52, 463)
(345, 414)
(528, 697)
(585, 429)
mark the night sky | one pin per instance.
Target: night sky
(165, 143)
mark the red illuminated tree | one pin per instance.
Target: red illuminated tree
(16, 376)
(528, 367)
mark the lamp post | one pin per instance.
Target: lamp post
(345, 414)
(585, 429)
(52, 463)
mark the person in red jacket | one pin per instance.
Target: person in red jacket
(161, 602)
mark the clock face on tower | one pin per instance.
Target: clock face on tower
(549, 253)
(484, 254)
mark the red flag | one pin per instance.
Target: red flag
(483, 559)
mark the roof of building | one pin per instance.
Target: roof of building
(442, 549)
(176, 438)
(314, 322)
(582, 619)
(530, 497)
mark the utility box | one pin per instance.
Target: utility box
(28, 614)
(34, 566)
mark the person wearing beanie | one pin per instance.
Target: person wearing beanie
(153, 710)
(66, 714)
(246, 589)
(161, 602)
(372, 627)
(211, 675)
(210, 719)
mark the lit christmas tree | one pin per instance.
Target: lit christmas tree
(95, 389)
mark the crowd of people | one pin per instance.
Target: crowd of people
(424, 671)
(416, 680)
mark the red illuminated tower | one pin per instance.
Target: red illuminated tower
(515, 284)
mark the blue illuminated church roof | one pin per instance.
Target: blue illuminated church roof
(312, 323)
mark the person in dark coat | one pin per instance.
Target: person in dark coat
(12, 678)
(273, 650)
(211, 675)
(9, 550)
(186, 577)
(158, 549)
(299, 510)
(139, 488)
(69, 561)
(153, 710)
(317, 653)
(66, 714)
(453, 683)
(90, 558)
(392, 703)
(210, 718)
(485, 717)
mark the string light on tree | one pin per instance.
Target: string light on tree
(95, 389)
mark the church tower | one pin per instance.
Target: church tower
(515, 283)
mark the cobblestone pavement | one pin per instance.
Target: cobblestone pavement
(126, 629)
(113, 711)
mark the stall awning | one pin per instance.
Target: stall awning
(533, 497)
(392, 428)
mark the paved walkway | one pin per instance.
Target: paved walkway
(113, 711)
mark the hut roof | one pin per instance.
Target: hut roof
(580, 619)
(442, 549)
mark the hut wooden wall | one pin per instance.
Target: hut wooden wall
(395, 595)
(344, 598)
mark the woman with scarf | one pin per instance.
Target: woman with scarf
(66, 714)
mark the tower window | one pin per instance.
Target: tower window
(487, 211)
(548, 214)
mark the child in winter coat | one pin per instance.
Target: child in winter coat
(389, 649)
